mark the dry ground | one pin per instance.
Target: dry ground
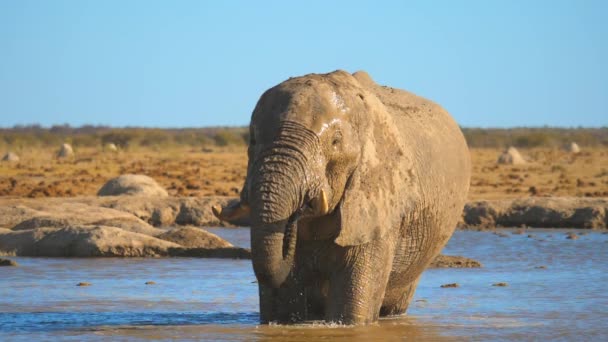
(187, 172)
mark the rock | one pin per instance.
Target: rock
(10, 157)
(572, 236)
(198, 213)
(194, 238)
(173, 211)
(110, 147)
(126, 212)
(132, 185)
(500, 284)
(62, 214)
(81, 227)
(162, 216)
(154, 210)
(572, 148)
(83, 241)
(481, 213)
(65, 151)
(8, 262)
(12, 214)
(540, 212)
(511, 156)
(450, 285)
(454, 261)
(84, 283)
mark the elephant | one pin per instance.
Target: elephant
(352, 189)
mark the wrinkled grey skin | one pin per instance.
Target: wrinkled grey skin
(394, 169)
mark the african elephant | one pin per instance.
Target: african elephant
(352, 189)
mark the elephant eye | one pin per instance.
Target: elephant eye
(337, 139)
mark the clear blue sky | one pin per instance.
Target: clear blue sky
(201, 63)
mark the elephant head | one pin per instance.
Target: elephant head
(322, 147)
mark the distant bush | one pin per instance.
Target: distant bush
(35, 136)
(535, 137)
(226, 137)
(120, 138)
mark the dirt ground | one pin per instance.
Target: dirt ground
(188, 172)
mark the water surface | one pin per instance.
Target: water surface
(216, 299)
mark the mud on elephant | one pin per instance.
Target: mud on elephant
(352, 189)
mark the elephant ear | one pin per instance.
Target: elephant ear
(377, 193)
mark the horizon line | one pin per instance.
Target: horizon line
(40, 126)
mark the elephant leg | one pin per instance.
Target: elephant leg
(356, 290)
(268, 307)
(397, 300)
(286, 304)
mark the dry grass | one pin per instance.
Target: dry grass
(549, 172)
(182, 171)
(185, 171)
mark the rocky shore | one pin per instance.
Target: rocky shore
(146, 226)
(537, 212)
(121, 226)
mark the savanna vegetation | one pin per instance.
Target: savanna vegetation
(32, 136)
(525, 137)
(35, 136)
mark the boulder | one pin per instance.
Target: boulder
(10, 157)
(82, 241)
(157, 211)
(454, 261)
(170, 211)
(572, 148)
(511, 156)
(192, 237)
(197, 212)
(110, 147)
(12, 214)
(63, 214)
(103, 241)
(132, 185)
(539, 212)
(65, 151)
(7, 262)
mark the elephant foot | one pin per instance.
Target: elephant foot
(396, 301)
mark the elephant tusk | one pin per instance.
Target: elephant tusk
(320, 205)
(217, 211)
(245, 210)
(231, 213)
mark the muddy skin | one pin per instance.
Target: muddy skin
(365, 181)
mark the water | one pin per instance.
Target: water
(213, 299)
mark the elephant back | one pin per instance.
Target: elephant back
(440, 156)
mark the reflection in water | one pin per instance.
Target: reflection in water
(214, 299)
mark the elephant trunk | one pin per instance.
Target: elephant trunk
(279, 188)
(273, 252)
